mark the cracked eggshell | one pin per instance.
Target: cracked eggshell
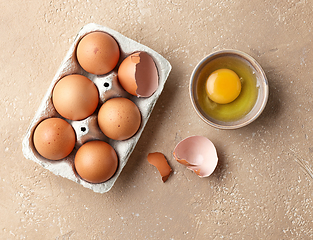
(87, 129)
(158, 160)
(138, 74)
(198, 153)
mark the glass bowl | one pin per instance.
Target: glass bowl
(229, 59)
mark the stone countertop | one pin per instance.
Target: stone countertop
(262, 187)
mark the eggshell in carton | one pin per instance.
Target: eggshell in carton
(88, 129)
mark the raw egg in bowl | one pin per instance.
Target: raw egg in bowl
(228, 89)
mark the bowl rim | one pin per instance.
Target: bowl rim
(240, 54)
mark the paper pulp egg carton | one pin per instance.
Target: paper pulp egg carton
(88, 129)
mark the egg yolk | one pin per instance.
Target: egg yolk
(223, 86)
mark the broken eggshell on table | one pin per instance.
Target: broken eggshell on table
(198, 153)
(87, 129)
(158, 160)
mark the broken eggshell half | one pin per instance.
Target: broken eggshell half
(158, 160)
(138, 74)
(198, 153)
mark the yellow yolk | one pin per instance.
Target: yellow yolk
(223, 86)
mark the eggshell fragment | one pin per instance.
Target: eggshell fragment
(138, 74)
(198, 154)
(158, 160)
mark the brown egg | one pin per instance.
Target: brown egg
(119, 118)
(158, 160)
(96, 161)
(54, 138)
(75, 97)
(138, 74)
(98, 53)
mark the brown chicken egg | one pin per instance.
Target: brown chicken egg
(54, 138)
(75, 97)
(119, 118)
(98, 53)
(138, 74)
(96, 161)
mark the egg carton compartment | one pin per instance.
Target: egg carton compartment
(88, 129)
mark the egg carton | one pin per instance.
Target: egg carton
(88, 128)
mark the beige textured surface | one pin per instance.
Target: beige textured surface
(259, 190)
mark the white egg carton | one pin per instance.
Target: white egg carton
(88, 129)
